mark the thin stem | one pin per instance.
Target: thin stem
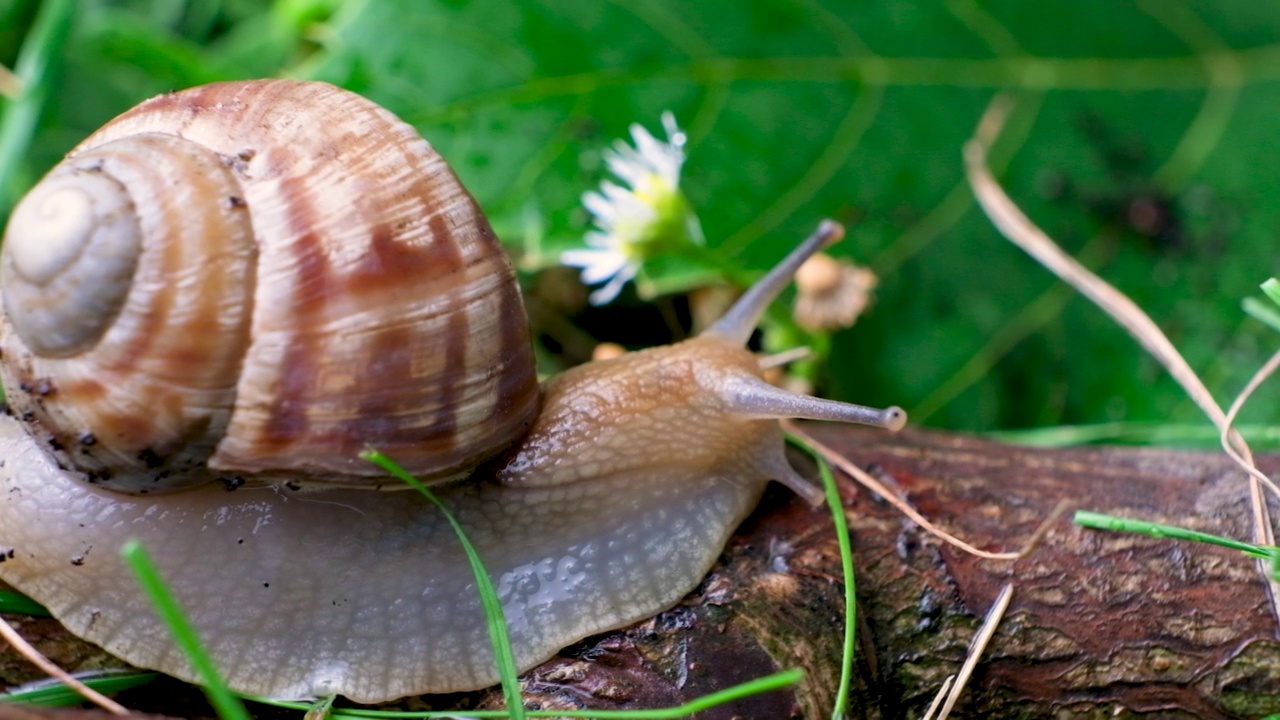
(979, 645)
(492, 606)
(864, 479)
(768, 683)
(166, 606)
(1099, 521)
(51, 669)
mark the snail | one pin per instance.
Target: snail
(240, 286)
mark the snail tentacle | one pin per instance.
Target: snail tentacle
(741, 319)
(750, 396)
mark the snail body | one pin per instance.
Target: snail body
(363, 595)
(347, 291)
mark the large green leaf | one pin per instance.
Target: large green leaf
(1144, 137)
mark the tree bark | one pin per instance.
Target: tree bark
(1101, 624)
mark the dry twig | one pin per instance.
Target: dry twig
(866, 480)
(976, 648)
(1019, 229)
(51, 669)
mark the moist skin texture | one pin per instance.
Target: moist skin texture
(360, 593)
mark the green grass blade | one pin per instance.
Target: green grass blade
(484, 586)
(768, 683)
(1264, 312)
(1145, 433)
(58, 695)
(39, 50)
(850, 588)
(320, 709)
(836, 506)
(1272, 289)
(502, 645)
(1099, 521)
(19, 604)
(227, 705)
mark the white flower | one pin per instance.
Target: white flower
(632, 220)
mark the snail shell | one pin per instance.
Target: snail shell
(261, 278)
(343, 290)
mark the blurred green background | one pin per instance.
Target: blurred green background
(1144, 140)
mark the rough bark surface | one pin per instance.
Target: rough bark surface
(1101, 624)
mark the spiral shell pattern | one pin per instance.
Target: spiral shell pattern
(259, 279)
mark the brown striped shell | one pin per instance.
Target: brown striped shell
(250, 279)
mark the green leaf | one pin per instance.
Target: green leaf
(55, 694)
(1142, 136)
(1130, 129)
(36, 68)
(11, 602)
(1262, 312)
(1272, 289)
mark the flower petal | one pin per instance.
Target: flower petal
(605, 268)
(600, 207)
(610, 291)
(675, 136)
(624, 215)
(578, 258)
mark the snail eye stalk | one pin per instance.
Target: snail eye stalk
(741, 319)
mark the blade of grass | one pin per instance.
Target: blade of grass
(850, 590)
(1145, 433)
(227, 705)
(39, 50)
(320, 709)
(18, 604)
(836, 506)
(484, 586)
(1099, 521)
(768, 683)
(1272, 288)
(1263, 312)
(55, 694)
